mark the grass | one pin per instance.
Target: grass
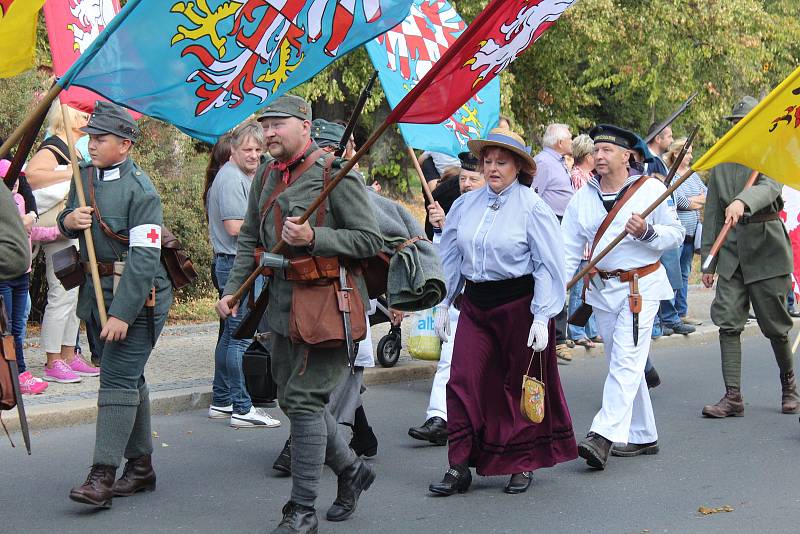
(199, 310)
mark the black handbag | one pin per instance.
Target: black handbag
(256, 367)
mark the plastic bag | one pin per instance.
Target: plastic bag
(423, 343)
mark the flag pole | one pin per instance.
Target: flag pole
(671, 189)
(709, 265)
(425, 187)
(87, 233)
(30, 121)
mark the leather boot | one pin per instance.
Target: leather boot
(297, 519)
(790, 400)
(138, 475)
(729, 405)
(364, 442)
(98, 488)
(283, 463)
(595, 449)
(352, 481)
(456, 479)
(433, 430)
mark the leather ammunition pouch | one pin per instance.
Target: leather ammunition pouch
(68, 268)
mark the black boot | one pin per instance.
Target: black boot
(594, 449)
(283, 463)
(352, 481)
(457, 479)
(433, 430)
(652, 378)
(297, 519)
(364, 441)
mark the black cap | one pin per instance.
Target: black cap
(326, 133)
(109, 118)
(468, 161)
(608, 133)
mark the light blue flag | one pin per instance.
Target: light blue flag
(206, 65)
(404, 54)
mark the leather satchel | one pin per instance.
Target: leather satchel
(68, 268)
(8, 399)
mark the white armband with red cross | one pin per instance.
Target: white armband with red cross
(145, 235)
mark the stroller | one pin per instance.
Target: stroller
(388, 350)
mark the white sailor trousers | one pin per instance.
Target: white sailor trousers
(627, 414)
(437, 406)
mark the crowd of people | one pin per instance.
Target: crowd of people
(511, 228)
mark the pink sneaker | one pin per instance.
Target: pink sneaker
(60, 372)
(30, 385)
(81, 368)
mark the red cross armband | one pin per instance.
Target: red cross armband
(145, 235)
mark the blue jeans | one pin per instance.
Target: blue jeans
(682, 294)
(228, 386)
(579, 332)
(16, 302)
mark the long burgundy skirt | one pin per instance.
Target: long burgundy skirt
(486, 429)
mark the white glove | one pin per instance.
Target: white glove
(538, 336)
(441, 324)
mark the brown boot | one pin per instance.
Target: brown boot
(137, 476)
(97, 490)
(790, 400)
(729, 405)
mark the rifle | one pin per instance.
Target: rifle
(249, 325)
(669, 120)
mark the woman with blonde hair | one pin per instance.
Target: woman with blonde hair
(49, 173)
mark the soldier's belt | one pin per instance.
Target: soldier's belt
(627, 276)
(105, 269)
(759, 218)
(306, 268)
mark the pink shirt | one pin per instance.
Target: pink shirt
(46, 234)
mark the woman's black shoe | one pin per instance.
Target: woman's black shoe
(456, 480)
(364, 443)
(519, 482)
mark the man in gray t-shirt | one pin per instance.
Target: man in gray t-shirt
(227, 205)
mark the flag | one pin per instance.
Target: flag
(767, 139)
(72, 25)
(206, 65)
(406, 53)
(17, 35)
(790, 215)
(497, 37)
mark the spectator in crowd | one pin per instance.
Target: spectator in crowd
(582, 171)
(49, 173)
(690, 197)
(552, 182)
(658, 146)
(227, 205)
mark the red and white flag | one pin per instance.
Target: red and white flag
(498, 36)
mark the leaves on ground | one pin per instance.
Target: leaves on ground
(705, 510)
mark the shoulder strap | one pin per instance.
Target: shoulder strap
(322, 211)
(103, 226)
(615, 210)
(59, 149)
(281, 186)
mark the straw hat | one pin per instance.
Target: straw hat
(504, 138)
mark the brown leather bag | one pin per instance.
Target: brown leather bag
(8, 399)
(68, 268)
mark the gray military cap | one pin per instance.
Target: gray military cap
(109, 118)
(326, 133)
(742, 108)
(287, 106)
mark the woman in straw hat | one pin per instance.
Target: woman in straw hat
(502, 244)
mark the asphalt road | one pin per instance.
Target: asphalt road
(212, 479)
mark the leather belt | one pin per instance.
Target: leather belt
(627, 276)
(105, 269)
(759, 218)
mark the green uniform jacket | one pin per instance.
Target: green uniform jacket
(125, 203)
(15, 251)
(350, 230)
(761, 250)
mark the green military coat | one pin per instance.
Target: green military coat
(350, 230)
(130, 205)
(15, 250)
(761, 250)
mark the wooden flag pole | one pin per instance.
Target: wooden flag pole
(30, 121)
(87, 233)
(425, 187)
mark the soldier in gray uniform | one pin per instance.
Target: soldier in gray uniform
(753, 266)
(125, 224)
(305, 375)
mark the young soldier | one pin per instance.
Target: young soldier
(626, 415)
(753, 265)
(125, 218)
(305, 376)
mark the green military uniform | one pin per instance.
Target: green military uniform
(754, 266)
(15, 251)
(130, 206)
(306, 376)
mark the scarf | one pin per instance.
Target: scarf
(284, 167)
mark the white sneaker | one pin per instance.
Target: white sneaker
(220, 412)
(255, 418)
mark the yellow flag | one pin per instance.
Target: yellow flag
(17, 35)
(767, 139)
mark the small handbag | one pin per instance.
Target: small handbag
(532, 401)
(68, 268)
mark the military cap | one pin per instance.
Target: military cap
(109, 118)
(468, 161)
(326, 133)
(287, 106)
(742, 108)
(608, 133)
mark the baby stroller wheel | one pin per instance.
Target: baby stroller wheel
(389, 349)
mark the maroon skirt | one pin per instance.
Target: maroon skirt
(486, 429)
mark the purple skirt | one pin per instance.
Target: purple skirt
(486, 429)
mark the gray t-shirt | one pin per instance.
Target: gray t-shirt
(227, 200)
